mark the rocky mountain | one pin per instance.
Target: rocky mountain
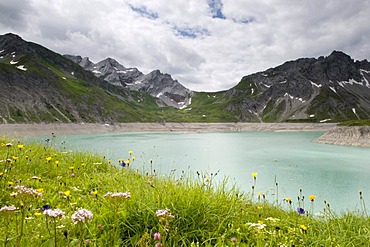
(39, 85)
(162, 87)
(332, 88)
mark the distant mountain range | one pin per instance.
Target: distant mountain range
(39, 85)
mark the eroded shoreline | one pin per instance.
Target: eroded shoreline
(29, 130)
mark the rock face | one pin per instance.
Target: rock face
(333, 88)
(168, 92)
(352, 136)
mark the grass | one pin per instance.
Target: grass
(126, 207)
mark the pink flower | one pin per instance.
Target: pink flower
(233, 240)
(82, 215)
(158, 245)
(54, 213)
(157, 236)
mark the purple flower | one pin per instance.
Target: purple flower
(54, 213)
(45, 207)
(300, 210)
(82, 215)
(157, 236)
(233, 240)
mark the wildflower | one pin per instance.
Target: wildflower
(54, 213)
(234, 239)
(254, 175)
(99, 226)
(48, 159)
(56, 162)
(303, 228)
(9, 144)
(300, 210)
(130, 153)
(15, 158)
(72, 174)
(1, 174)
(8, 208)
(312, 198)
(35, 177)
(37, 214)
(164, 213)
(109, 161)
(71, 168)
(87, 241)
(118, 194)
(20, 146)
(288, 199)
(133, 158)
(45, 207)
(157, 236)
(158, 245)
(258, 225)
(67, 193)
(272, 219)
(81, 215)
(94, 192)
(24, 190)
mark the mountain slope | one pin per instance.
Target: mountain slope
(162, 87)
(38, 85)
(333, 88)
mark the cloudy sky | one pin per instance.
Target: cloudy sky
(208, 45)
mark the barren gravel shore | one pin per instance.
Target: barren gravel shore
(28, 130)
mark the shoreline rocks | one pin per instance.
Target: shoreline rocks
(347, 135)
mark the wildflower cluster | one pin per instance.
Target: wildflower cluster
(8, 208)
(81, 216)
(164, 213)
(23, 190)
(54, 213)
(118, 194)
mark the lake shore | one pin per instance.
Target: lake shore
(29, 130)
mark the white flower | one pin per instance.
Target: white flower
(257, 225)
(54, 213)
(118, 194)
(164, 212)
(82, 215)
(8, 208)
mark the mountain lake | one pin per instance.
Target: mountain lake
(334, 174)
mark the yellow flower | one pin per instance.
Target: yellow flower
(67, 193)
(288, 199)
(109, 161)
(40, 190)
(130, 152)
(254, 175)
(83, 164)
(312, 198)
(10, 183)
(1, 174)
(20, 146)
(94, 192)
(37, 214)
(128, 162)
(71, 167)
(48, 159)
(56, 162)
(133, 158)
(303, 228)
(15, 157)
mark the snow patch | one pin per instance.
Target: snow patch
(12, 53)
(252, 90)
(72, 73)
(159, 95)
(282, 82)
(189, 101)
(2, 51)
(325, 120)
(13, 62)
(265, 85)
(354, 110)
(316, 85)
(96, 71)
(367, 84)
(292, 97)
(1, 57)
(121, 72)
(137, 82)
(312, 115)
(333, 89)
(13, 56)
(203, 115)
(64, 78)
(21, 67)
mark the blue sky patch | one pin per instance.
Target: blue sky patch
(144, 12)
(215, 7)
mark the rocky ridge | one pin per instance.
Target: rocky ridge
(166, 91)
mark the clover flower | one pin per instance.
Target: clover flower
(164, 213)
(54, 213)
(82, 215)
(8, 208)
(157, 236)
(118, 194)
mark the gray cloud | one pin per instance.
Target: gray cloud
(206, 45)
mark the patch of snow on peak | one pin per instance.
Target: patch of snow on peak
(265, 85)
(121, 72)
(367, 84)
(312, 115)
(2, 51)
(96, 71)
(325, 120)
(137, 82)
(354, 110)
(316, 85)
(189, 101)
(72, 73)
(282, 82)
(159, 95)
(333, 89)
(252, 90)
(21, 67)
(13, 62)
(1, 57)
(12, 53)
(13, 56)
(64, 78)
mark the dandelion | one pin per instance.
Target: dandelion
(81, 216)
(288, 199)
(312, 198)
(71, 168)
(130, 152)
(56, 162)
(157, 236)
(254, 175)
(37, 214)
(15, 158)
(67, 193)
(20, 146)
(48, 159)
(303, 228)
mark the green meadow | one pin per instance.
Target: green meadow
(53, 197)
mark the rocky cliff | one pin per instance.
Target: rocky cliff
(344, 135)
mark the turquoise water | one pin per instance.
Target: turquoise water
(333, 173)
